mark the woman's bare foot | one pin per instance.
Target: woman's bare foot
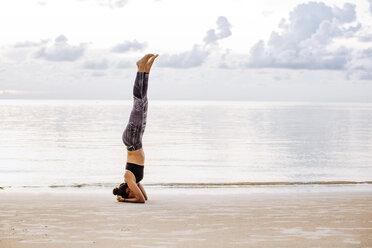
(144, 64)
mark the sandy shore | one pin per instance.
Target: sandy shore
(80, 219)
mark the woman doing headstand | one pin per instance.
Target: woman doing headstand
(132, 190)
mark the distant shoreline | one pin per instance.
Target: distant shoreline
(221, 101)
(200, 185)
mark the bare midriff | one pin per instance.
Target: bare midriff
(136, 157)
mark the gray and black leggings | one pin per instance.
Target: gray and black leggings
(132, 135)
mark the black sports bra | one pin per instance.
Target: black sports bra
(136, 169)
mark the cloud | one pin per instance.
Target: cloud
(198, 54)
(360, 66)
(98, 74)
(96, 65)
(367, 53)
(10, 92)
(370, 6)
(128, 46)
(187, 59)
(365, 38)
(25, 44)
(365, 76)
(111, 3)
(114, 3)
(61, 51)
(223, 31)
(303, 40)
(124, 64)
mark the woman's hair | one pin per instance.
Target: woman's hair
(121, 190)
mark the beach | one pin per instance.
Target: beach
(253, 128)
(218, 174)
(234, 218)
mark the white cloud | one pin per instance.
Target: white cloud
(370, 5)
(365, 38)
(111, 3)
(128, 46)
(365, 75)
(98, 74)
(61, 51)
(187, 59)
(96, 65)
(124, 64)
(367, 53)
(303, 40)
(41, 3)
(223, 31)
(199, 53)
(30, 44)
(10, 92)
(322, 37)
(360, 66)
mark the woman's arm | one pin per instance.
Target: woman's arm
(121, 199)
(130, 179)
(140, 186)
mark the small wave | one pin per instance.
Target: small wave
(199, 185)
(253, 184)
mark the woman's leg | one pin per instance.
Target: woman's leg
(132, 135)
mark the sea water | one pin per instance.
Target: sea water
(75, 143)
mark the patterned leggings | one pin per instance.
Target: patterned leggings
(132, 135)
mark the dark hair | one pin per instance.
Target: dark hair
(121, 190)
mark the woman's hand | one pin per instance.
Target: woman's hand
(145, 64)
(120, 199)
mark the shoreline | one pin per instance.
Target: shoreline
(202, 184)
(206, 188)
(174, 218)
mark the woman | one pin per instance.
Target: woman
(132, 190)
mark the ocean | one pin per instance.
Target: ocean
(77, 143)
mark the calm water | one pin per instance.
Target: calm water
(45, 143)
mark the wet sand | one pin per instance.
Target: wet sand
(87, 219)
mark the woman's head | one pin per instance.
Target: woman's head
(122, 190)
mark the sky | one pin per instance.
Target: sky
(208, 50)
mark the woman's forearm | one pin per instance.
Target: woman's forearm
(133, 200)
(140, 186)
